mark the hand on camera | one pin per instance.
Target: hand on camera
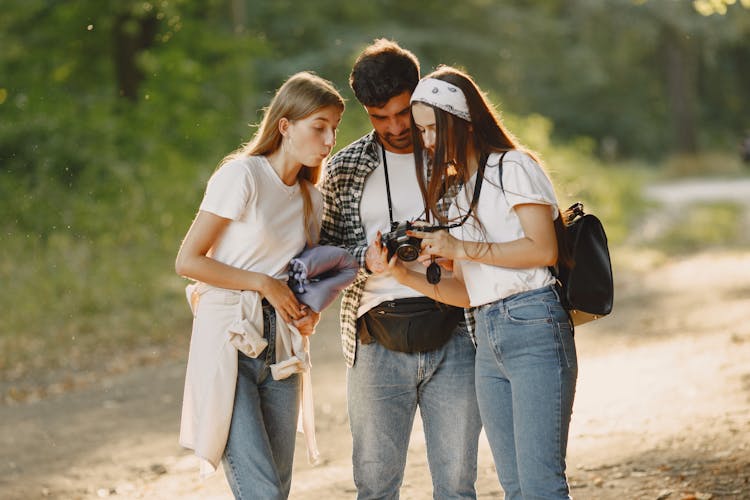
(438, 243)
(376, 256)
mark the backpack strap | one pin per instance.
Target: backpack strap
(500, 165)
(477, 191)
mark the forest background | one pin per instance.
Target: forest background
(114, 114)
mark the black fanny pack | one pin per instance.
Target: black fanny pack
(413, 324)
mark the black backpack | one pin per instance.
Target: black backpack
(584, 278)
(585, 282)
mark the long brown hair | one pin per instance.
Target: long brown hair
(300, 96)
(456, 139)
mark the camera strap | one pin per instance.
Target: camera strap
(387, 185)
(477, 190)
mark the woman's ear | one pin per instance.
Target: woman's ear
(283, 126)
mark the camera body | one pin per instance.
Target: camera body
(399, 243)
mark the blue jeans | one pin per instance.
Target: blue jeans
(384, 389)
(260, 449)
(526, 376)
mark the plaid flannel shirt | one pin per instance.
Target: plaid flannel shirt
(342, 226)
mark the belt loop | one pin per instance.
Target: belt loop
(557, 292)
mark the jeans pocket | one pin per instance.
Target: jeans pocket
(529, 313)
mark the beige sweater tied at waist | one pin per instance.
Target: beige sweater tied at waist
(225, 321)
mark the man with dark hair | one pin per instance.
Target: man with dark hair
(369, 185)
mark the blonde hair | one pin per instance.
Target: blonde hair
(301, 95)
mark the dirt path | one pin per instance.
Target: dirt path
(662, 409)
(662, 405)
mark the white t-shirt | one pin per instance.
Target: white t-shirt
(373, 209)
(267, 227)
(524, 181)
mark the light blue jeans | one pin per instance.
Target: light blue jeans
(526, 376)
(384, 390)
(259, 454)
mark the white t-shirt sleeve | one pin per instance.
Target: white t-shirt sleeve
(229, 190)
(524, 181)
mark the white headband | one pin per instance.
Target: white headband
(442, 95)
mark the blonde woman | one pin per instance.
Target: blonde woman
(260, 210)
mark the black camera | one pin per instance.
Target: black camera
(398, 242)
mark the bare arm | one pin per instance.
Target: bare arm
(449, 291)
(537, 248)
(193, 262)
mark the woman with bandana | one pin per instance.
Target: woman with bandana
(501, 237)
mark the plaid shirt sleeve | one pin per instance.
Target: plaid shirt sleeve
(340, 203)
(341, 225)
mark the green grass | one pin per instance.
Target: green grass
(703, 226)
(74, 301)
(88, 268)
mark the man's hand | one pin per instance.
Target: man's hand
(376, 256)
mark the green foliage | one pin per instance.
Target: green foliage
(707, 225)
(98, 186)
(611, 191)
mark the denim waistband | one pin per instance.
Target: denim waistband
(522, 296)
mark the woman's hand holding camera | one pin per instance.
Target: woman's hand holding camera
(437, 247)
(439, 244)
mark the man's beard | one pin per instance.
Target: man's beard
(397, 142)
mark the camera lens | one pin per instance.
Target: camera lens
(407, 252)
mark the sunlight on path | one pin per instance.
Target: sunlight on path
(681, 192)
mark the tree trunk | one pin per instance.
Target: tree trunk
(244, 82)
(681, 85)
(132, 36)
(239, 16)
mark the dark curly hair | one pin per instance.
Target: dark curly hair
(382, 71)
